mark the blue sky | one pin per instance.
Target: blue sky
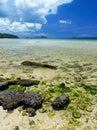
(52, 18)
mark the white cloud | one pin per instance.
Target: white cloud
(6, 24)
(65, 22)
(27, 15)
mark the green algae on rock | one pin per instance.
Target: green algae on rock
(23, 88)
(92, 89)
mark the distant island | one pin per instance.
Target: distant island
(5, 35)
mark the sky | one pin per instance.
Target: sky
(51, 18)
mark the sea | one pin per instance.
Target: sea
(54, 51)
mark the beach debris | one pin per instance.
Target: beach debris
(37, 64)
(60, 102)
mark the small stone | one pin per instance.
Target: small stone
(60, 102)
(62, 84)
(31, 122)
(16, 128)
(31, 112)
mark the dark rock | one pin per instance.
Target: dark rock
(14, 82)
(28, 82)
(32, 122)
(27, 63)
(60, 102)
(49, 66)
(36, 64)
(3, 86)
(11, 99)
(32, 99)
(16, 128)
(62, 84)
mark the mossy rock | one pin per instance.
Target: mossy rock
(38, 65)
(76, 114)
(27, 63)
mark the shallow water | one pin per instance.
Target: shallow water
(55, 52)
(48, 50)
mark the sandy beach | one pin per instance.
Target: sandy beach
(76, 62)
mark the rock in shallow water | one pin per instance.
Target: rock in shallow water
(11, 99)
(38, 65)
(60, 102)
(15, 98)
(28, 82)
(32, 99)
(3, 86)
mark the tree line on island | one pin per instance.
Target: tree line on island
(5, 35)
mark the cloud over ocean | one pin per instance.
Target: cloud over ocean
(26, 15)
